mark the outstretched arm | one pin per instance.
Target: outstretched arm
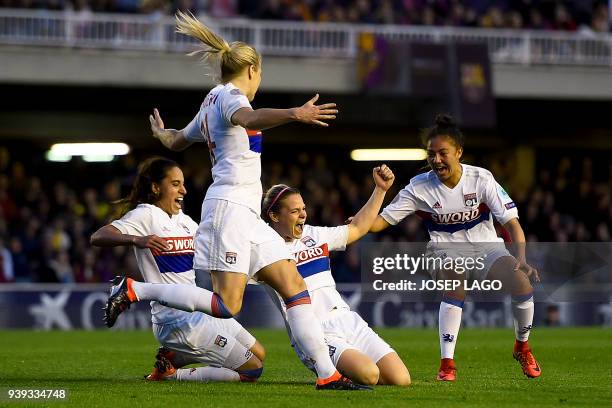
(266, 118)
(110, 236)
(171, 138)
(362, 222)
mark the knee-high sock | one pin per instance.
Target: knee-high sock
(206, 374)
(185, 297)
(522, 311)
(308, 334)
(449, 321)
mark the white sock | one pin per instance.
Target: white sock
(308, 334)
(522, 311)
(206, 374)
(449, 321)
(185, 297)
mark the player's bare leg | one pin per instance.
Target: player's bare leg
(518, 285)
(230, 287)
(356, 365)
(393, 371)
(283, 277)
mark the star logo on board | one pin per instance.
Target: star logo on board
(49, 313)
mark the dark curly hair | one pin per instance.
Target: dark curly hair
(444, 126)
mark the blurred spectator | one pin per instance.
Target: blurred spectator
(21, 265)
(553, 317)
(7, 274)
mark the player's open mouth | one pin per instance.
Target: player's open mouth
(440, 169)
(179, 201)
(299, 228)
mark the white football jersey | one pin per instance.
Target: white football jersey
(172, 266)
(460, 214)
(235, 153)
(311, 254)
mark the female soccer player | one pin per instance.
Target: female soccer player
(455, 201)
(233, 243)
(356, 350)
(162, 237)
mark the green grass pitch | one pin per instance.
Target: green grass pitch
(105, 368)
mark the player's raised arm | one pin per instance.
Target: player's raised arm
(362, 221)
(266, 118)
(171, 138)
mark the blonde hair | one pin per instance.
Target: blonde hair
(231, 58)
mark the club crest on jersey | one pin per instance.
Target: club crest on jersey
(470, 199)
(220, 341)
(230, 257)
(308, 241)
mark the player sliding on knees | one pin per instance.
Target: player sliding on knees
(356, 350)
(456, 201)
(233, 243)
(162, 238)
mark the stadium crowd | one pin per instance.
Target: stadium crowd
(47, 215)
(591, 15)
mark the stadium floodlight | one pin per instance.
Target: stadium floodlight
(98, 157)
(388, 154)
(57, 157)
(91, 152)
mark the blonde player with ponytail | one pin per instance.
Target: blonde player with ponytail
(232, 242)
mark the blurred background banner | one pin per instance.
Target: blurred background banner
(455, 78)
(530, 84)
(79, 307)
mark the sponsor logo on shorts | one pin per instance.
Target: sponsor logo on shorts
(470, 199)
(332, 350)
(220, 341)
(449, 338)
(230, 257)
(308, 241)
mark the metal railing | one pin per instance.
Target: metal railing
(299, 39)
